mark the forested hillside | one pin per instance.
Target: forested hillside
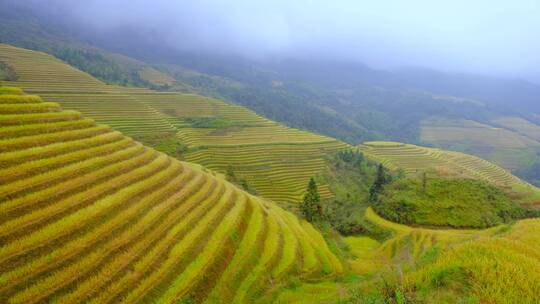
(28, 28)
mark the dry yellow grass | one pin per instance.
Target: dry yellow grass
(503, 268)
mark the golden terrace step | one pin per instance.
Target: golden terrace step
(94, 223)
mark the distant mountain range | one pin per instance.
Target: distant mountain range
(346, 100)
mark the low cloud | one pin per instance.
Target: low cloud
(492, 37)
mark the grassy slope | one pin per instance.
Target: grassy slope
(453, 266)
(24, 28)
(6, 72)
(509, 141)
(499, 269)
(67, 96)
(90, 215)
(419, 265)
(415, 160)
(447, 202)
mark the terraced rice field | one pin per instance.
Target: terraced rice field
(120, 111)
(497, 265)
(56, 81)
(509, 142)
(279, 172)
(473, 133)
(40, 72)
(275, 160)
(89, 215)
(520, 125)
(415, 160)
(502, 268)
(406, 245)
(409, 243)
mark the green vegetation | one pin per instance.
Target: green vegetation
(10, 91)
(415, 160)
(349, 176)
(6, 72)
(210, 122)
(382, 178)
(241, 182)
(510, 142)
(345, 100)
(455, 203)
(26, 29)
(428, 266)
(89, 215)
(165, 142)
(499, 269)
(98, 65)
(532, 173)
(354, 103)
(311, 207)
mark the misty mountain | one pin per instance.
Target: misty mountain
(344, 99)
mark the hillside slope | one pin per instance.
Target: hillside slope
(511, 142)
(342, 99)
(496, 265)
(22, 24)
(415, 160)
(89, 215)
(276, 161)
(503, 268)
(419, 265)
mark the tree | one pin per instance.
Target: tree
(311, 206)
(230, 175)
(424, 182)
(378, 184)
(381, 176)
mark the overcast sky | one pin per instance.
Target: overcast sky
(487, 36)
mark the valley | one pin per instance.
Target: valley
(133, 172)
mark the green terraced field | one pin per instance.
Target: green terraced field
(415, 160)
(275, 160)
(434, 131)
(520, 125)
(56, 81)
(120, 111)
(496, 265)
(89, 215)
(501, 263)
(510, 142)
(411, 242)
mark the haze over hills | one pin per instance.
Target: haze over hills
(29, 122)
(275, 160)
(268, 152)
(339, 98)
